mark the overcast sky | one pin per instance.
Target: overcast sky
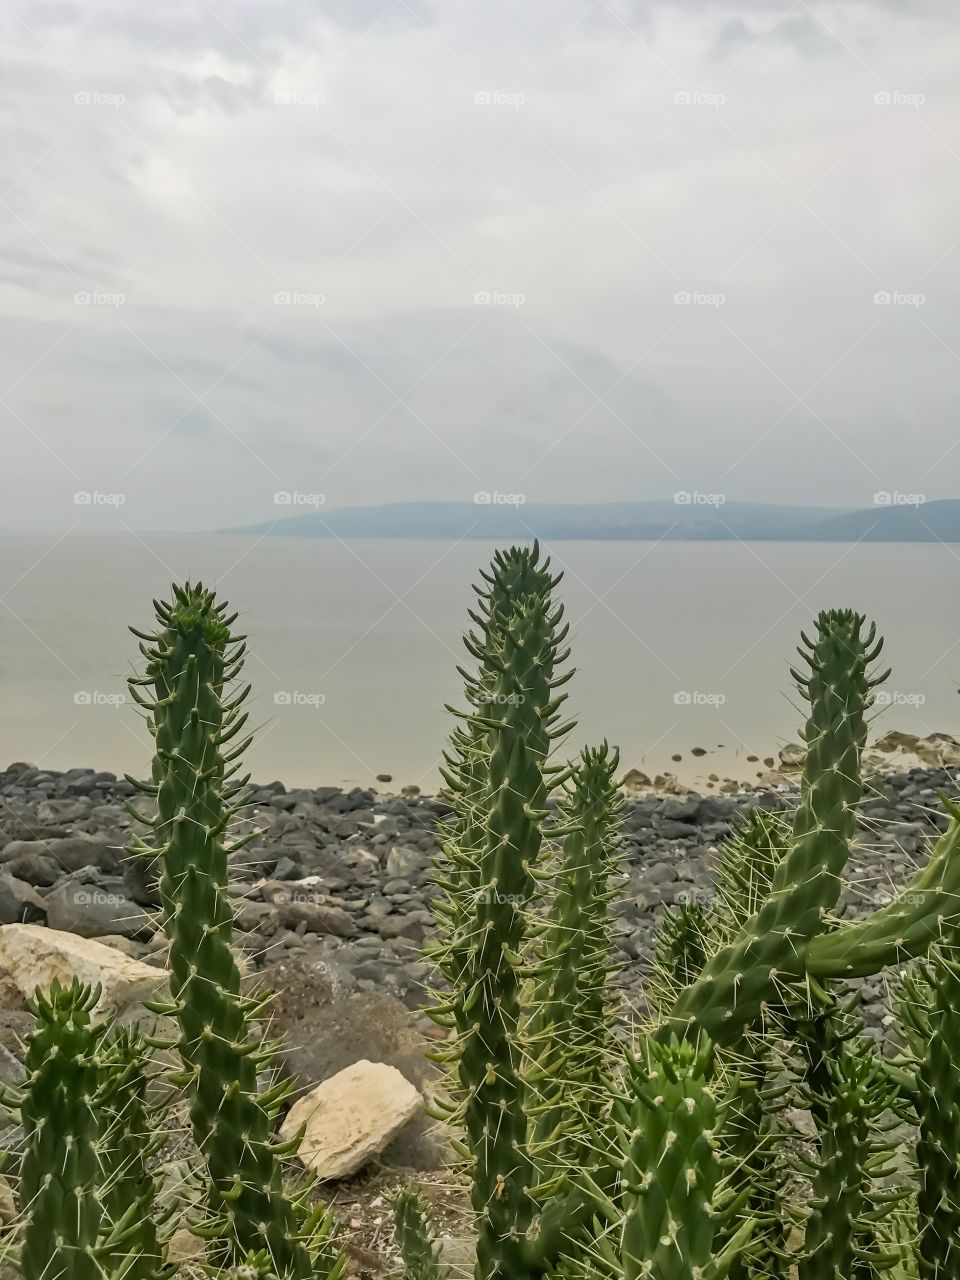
(402, 249)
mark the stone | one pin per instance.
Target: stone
(328, 1025)
(351, 1118)
(792, 756)
(634, 779)
(402, 862)
(91, 910)
(19, 900)
(32, 956)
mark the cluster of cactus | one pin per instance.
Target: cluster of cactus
(87, 1193)
(670, 1158)
(587, 1158)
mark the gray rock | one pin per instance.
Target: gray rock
(19, 901)
(92, 910)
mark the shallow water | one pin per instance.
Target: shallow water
(353, 646)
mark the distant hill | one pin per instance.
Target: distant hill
(695, 520)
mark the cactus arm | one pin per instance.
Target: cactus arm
(747, 975)
(906, 927)
(191, 661)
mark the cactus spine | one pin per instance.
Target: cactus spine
(197, 723)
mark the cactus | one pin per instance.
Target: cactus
(60, 1172)
(674, 1209)
(197, 722)
(412, 1233)
(841, 1236)
(131, 1137)
(569, 1033)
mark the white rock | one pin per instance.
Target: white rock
(32, 956)
(351, 1117)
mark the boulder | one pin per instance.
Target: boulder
(70, 852)
(32, 956)
(19, 900)
(350, 1118)
(92, 909)
(328, 1025)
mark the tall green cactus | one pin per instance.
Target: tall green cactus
(197, 723)
(569, 1034)
(523, 719)
(514, 575)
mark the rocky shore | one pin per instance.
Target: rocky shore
(332, 898)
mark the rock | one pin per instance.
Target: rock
(32, 956)
(351, 1118)
(19, 901)
(403, 862)
(184, 1246)
(792, 756)
(89, 909)
(70, 852)
(634, 779)
(384, 777)
(328, 1025)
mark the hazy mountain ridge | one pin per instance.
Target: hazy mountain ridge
(696, 519)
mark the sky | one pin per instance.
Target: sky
(368, 251)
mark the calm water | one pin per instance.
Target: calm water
(353, 646)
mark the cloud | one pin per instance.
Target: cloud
(409, 251)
